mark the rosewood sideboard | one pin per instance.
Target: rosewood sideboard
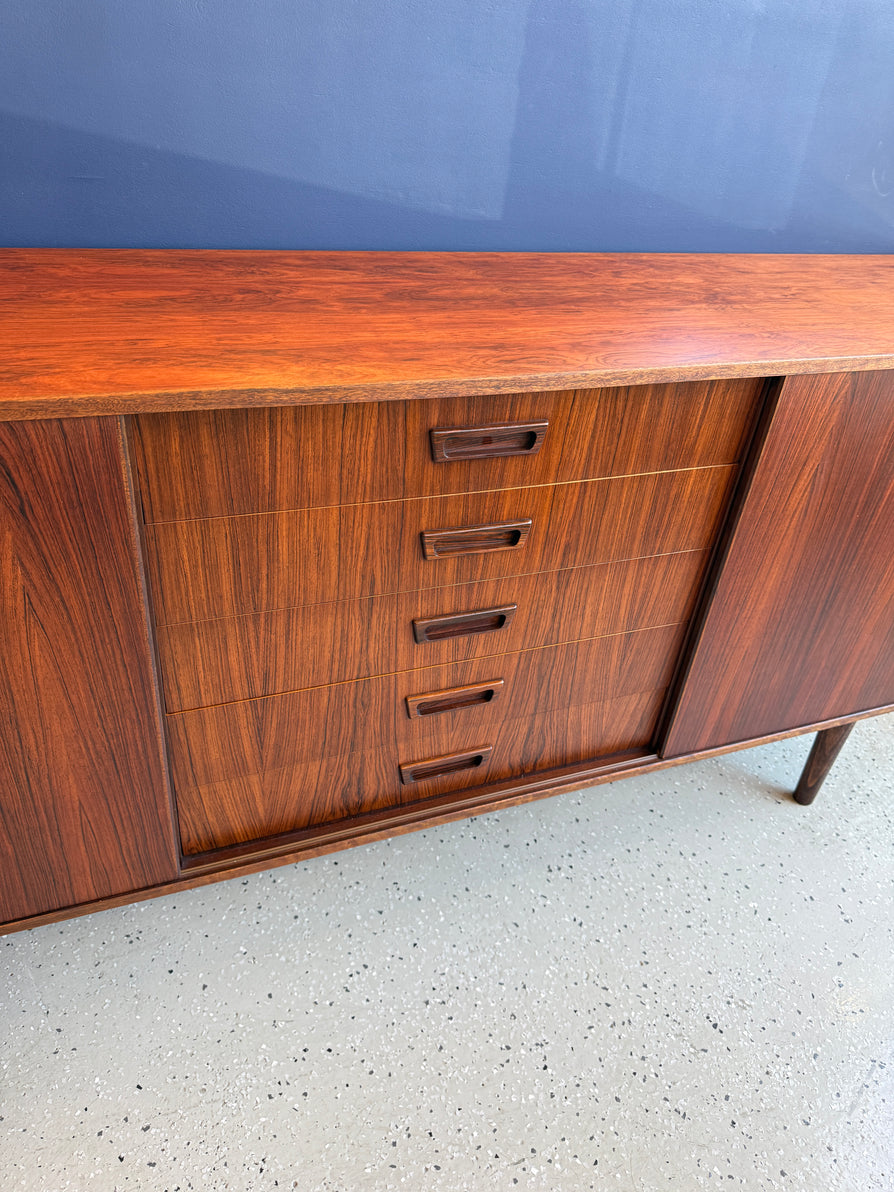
(300, 550)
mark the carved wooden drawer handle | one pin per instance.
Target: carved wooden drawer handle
(487, 620)
(475, 540)
(450, 764)
(486, 442)
(435, 702)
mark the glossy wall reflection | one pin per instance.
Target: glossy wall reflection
(520, 124)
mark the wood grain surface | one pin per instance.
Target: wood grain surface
(101, 330)
(227, 566)
(370, 714)
(321, 754)
(84, 809)
(236, 658)
(801, 625)
(331, 792)
(223, 462)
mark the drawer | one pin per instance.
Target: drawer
(265, 766)
(255, 805)
(230, 566)
(238, 658)
(222, 463)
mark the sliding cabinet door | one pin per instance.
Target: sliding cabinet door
(800, 626)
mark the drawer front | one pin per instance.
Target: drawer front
(254, 805)
(222, 463)
(239, 658)
(222, 567)
(261, 754)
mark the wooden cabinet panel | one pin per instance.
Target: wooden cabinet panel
(801, 625)
(84, 811)
(221, 567)
(239, 751)
(237, 658)
(227, 462)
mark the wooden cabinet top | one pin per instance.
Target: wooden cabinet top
(108, 331)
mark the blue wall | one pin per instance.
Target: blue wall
(693, 125)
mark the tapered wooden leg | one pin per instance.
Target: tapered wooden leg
(825, 749)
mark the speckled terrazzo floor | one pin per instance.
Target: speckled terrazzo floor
(681, 981)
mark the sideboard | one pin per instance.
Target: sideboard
(305, 549)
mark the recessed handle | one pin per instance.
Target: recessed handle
(435, 702)
(475, 540)
(486, 442)
(451, 763)
(487, 620)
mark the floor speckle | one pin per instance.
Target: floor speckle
(678, 981)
